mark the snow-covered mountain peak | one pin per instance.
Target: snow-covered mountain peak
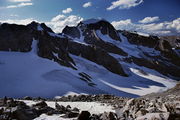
(90, 59)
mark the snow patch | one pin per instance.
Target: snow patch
(39, 28)
(55, 35)
(34, 48)
(55, 54)
(138, 90)
(156, 78)
(52, 117)
(105, 38)
(143, 34)
(92, 107)
(70, 93)
(136, 50)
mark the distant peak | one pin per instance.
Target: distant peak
(39, 26)
(33, 23)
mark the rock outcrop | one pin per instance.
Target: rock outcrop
(96, 55)
(167, 62)
(57, 47)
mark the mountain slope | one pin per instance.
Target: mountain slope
(91, 58)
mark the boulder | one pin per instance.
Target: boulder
(47, 110)
(3, 101)
(75, 109)
(174, 116)
(72, 114)
(84, 115)
(141, 112)
(24, 114)
(10, 102)
(108, 116)
(19, 111)
(60, 108)
(154, 116)
(40, 104)
(95, 117)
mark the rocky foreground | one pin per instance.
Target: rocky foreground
(88, 57)
(160, 106)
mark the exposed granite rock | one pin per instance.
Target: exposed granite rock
(12, 109)
(34, 26)
(157, 64)
(71, 31)
(15, 38)
(133, 38)
(102, 25)
(108, 116)
(96, 55)
(54, 48)
(20, 38)
(94, 39)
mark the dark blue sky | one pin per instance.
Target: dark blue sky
(45, 10)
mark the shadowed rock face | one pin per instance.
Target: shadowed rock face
(97, 55)
(159, 66)
(15, 38)
(155, 42)
(173, 40)
(166, 63)
(160, 63)
(34, 25)
(19, 38)
(92, 38)
(71, 31)
(98, 49)
(105, 27)
(167, 51)
(134, 38)
(54, 48)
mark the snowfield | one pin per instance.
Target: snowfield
(26, 74)
(53, 117)
(92, 107)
